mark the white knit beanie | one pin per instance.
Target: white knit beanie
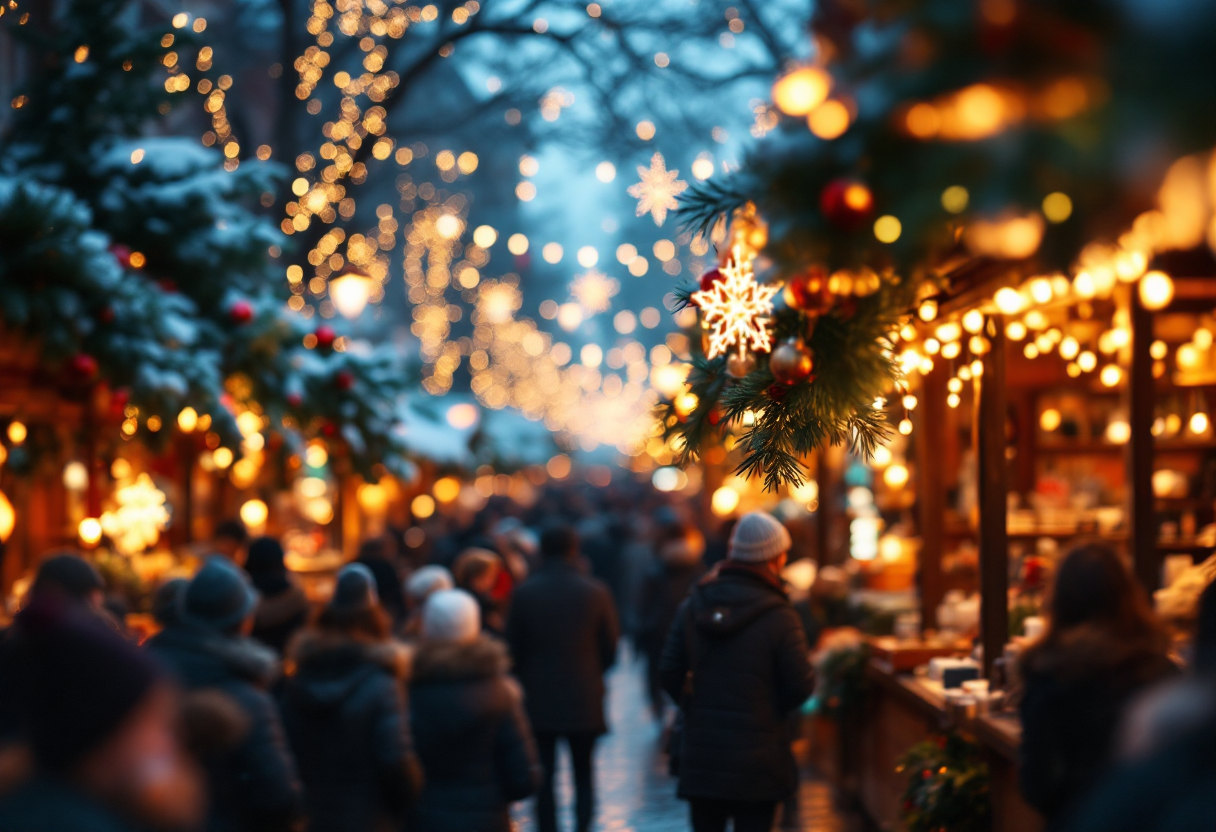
(758, 536)
(428, 580)
(451, 615)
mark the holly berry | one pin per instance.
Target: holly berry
(241, 312)
(325, 336)
(846, 204)
(344, 380)
(122, 254)
(84, 366)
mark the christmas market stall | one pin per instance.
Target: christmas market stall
(963, 304)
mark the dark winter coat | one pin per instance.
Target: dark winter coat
(562, 631)
(280, 616)
(473, 737)
(252, 784)
(751, 668)
(1075, 694)
(1171, 790)
(346, 719)
(45, 804)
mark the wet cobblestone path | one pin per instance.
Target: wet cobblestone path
(635, 793)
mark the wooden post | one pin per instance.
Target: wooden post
(823, 516)
(1142, 539)
(989, 441)
(931, 491)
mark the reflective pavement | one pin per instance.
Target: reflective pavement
(635, 793)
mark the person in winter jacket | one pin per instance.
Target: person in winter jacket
(283, 608)
(737, 662)
(345, 713)
(477, 572)
(677, 568)
(468, 718)
(562, 631)
(420, 586)
(252, 780)
(1103, 646)
(102, 724)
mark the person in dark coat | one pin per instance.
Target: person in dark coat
(468, 717)
(102, 724)
(676, 569)
(283, 608)
(378, 554)
(252, 781)
(562, 631)
(738, 664)
(345, 714)
(1103, 647)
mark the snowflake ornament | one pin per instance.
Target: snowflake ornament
(594, 291)
(735, 309)
(657, 192)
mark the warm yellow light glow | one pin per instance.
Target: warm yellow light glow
(953, 399)
(552, 253)
(1199, 422)
(448, 226)
(955, 199)
(882, 458)
(1049, 419)
(351, 290)
(951, 350)
(797, 93)
(829, 120)
(1111, 375)
(17, 432)
(75, 476)
(1057, 207)
(446, 489)
(372, 498)
(973, 321)
(1156, 290)
(605, 171)
(463, 415)
(422, 506)
(588, 256)
(517, 244)
(485, 236)
(222, 457)
(1087, 361)
(558, 466)
(724, 501)
(187, 420)
(1158, 350)
(8, 518)
(1009, 301)
(89, 531)
(896, 476)
(315, 455)
(947, 332)
(887, 229)
(927, 311)
(1015, 330)
(1118, 432)
(905, 426)
(1069, 348)
(254, 514)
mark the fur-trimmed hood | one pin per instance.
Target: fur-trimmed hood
(449, 661)
(280, 608)
(204, 657)
(330, 668)
(1088, 650)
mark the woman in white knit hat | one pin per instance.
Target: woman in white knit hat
(469, 724)
(737, 662)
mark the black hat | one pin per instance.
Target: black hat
(67, 574)
(167, 600)
(266, 567)
(355, 591)
(79, 680)
(219, 597)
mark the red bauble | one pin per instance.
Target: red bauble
(329, 429)
(122, 254)
(325, 336)
(791, 362)
(84, 367)
(295, 399)
(808, 291)
(241, 312)
(715, 416)
(711, 277)
(344, 380)
(846, 204)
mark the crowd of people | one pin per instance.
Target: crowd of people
(434, 686)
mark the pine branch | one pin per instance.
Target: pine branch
(704, 202)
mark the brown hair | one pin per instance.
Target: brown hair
(472, 564)
(1094, 587)
(370, 624)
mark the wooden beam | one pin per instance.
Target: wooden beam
(989, 438)
(933, 425)
(1143, 534)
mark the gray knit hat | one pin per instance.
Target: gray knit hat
(758, 536)
(451, 615)
(354, 591)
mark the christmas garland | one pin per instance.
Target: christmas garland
(948, 786)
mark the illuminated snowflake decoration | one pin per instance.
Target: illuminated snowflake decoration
(735, 309)
(594, 291)
(657, 192)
